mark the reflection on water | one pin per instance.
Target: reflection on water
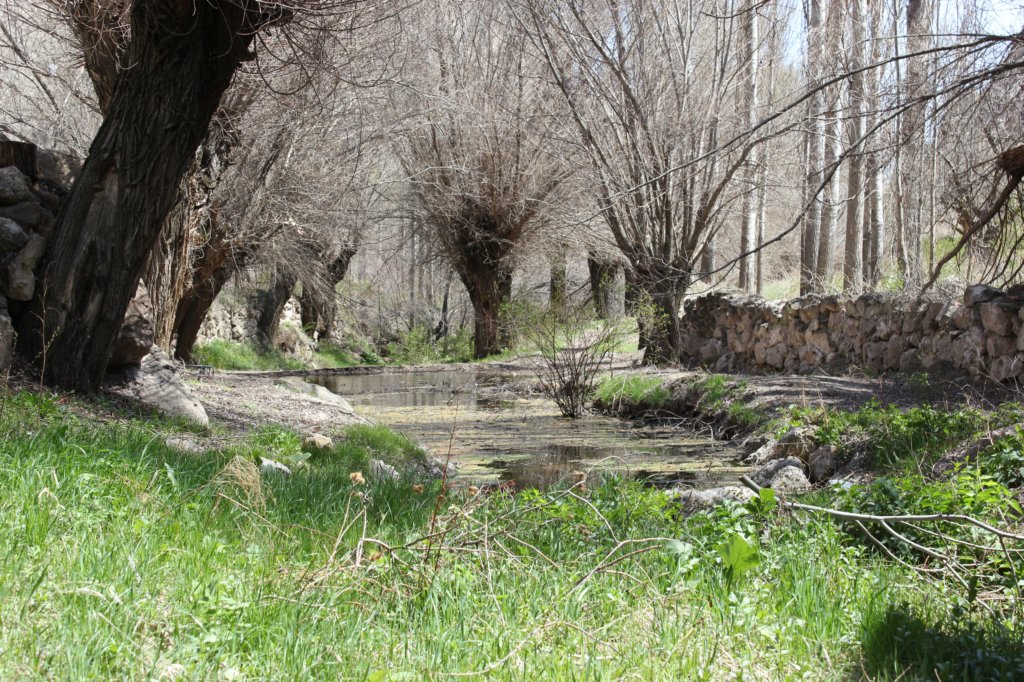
(483, 423)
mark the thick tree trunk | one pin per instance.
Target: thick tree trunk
(271, 305)
(169, 272)
(489, 288)
(317, 305)
(192, 310)
(182, 57)
(603, 273)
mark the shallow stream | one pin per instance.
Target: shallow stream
(497, 429)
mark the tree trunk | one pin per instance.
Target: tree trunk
(192, 310)
(489, 289)
(603, 273)
(748, 229)
(182, 57)
(912, 125)
(814, 150)
(168, 274)
(853, 263)
(317, 305)
(559, 299)
(271, 305)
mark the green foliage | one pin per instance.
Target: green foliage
(125, 558)
(921, 640)
(637, 389)
(901, 440)
(330, 355)
(418, 347)
(232, 355)
(1004, 460)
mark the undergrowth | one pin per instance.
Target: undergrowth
(232, 355)
(125, 558)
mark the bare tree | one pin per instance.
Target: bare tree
(646, 85)
(483, 164)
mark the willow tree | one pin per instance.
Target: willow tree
(178, 61)
(650, 87)
(482, 163)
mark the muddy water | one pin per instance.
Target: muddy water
(497, 430)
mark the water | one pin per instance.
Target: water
(497, 430)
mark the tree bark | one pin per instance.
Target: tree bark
(853, 263)
(814, 153)
(748, 229)
(317, 305)
(603, 273)
(270, 306)
(182, 57)
(489, 289)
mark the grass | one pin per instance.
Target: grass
(127, 559)
(232, 355)
(634, 388)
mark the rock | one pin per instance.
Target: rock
(997, 319)
(764, 454)
(1007, 367)
(14, 187)
(185, 444)
(783, 475)
(698, 500)
(136, 335)
(981, 293)
(270, 466)
(822, 463)
(6, 343)
(315, 391)
(382, 470)
(29, 215)
(57, 169)
(21, 275)
(12, 236)
(155, 383)
(317, 442)
(798, 442)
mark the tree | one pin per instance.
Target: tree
(482, 164)
(182, 57)
(647, 85)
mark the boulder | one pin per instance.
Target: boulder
(317, 442)
(822, 463)
(698, 500)
(382, 470)
(30, 215)
(155, 383)
(21, 275)
(272, 466)
(997, 318)
(981, 293)
(14, 187)
(136, 335)
(783, 475)
(12, 236)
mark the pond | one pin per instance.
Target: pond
(497, 428)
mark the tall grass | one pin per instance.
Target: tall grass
(124, 558)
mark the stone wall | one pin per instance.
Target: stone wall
(30, 197)
(982, 336)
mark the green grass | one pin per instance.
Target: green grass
(232, 355)
(242, 356)
(637, 389)
(124, 558)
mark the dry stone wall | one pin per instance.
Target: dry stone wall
(30, 197)
(981, 336)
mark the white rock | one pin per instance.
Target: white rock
(270, 466)
(155, 382)
(382, 470)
